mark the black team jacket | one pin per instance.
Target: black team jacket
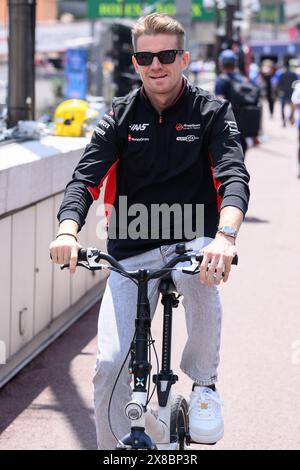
(186, 158)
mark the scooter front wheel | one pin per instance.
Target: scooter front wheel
(179, 424)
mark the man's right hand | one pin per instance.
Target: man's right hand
(64, 250)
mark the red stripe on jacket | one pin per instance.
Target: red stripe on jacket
(110, 189)
(217, 184)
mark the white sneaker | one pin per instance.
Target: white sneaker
(206, 422)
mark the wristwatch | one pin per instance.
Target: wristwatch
(227, 230)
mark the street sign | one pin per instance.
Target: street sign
(135, 9)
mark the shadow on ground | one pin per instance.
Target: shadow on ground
(255, 220)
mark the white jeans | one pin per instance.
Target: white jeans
(200, 356)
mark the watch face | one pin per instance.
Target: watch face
(228, 230)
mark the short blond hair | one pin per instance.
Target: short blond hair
(158, 23)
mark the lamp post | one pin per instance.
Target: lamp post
(230, 10)
(184, 16)
(21, 73)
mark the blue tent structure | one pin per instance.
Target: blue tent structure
(278, 49)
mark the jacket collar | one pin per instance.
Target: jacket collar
(176, 103)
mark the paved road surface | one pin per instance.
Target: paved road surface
(49, 404)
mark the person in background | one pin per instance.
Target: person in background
(254, 73)
(267, 71)
(295, 103)
(196, 67)
(238, 48)
(229, 73)
(283, 88)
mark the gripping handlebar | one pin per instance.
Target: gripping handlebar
(90, 259)
(82, 254)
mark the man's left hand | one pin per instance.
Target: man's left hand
(217, 259)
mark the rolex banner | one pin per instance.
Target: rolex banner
(135, 9)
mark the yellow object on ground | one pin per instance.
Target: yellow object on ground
(71, 118)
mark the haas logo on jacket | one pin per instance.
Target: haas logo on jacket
(138, 127)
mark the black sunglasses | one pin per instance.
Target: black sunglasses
(164, 57)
